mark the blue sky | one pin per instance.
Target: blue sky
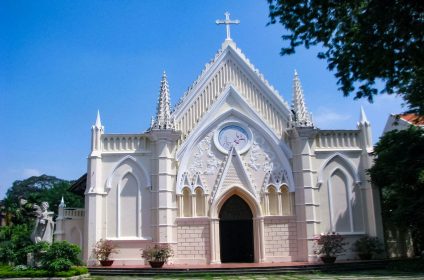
(60, 61)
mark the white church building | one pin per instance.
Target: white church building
(232, 173)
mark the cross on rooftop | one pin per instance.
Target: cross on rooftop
(227, 23)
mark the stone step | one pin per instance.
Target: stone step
(143, 271)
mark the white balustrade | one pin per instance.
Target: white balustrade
(123, 142)
(73, 212)
(344, 139)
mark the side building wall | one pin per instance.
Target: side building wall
(70, 225)
(340, 197)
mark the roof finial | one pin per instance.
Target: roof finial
(302, 118)
(62, 203)
(98, 121)
(363, 117)
(163, 112)
(227, 23)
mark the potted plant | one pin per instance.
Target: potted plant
(103, 249)
(328, 246)
(157, 255)
(367, 247)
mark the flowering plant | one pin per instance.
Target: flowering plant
(329, 244)
(159, 253)
(103, 249)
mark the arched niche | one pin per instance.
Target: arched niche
(273, 201)
(340, 197)
(200, 201)
(187, 208)
(128, 201)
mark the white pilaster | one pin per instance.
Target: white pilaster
(164, 192)
(374, 224)
(305, 205)
(94, 193)
(214, 241)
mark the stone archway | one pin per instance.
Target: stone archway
(236, 231)
(257, 223)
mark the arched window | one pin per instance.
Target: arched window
(187, 202)
(273, 201)
(286, 203)
(200, 202)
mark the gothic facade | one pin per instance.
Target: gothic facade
(231, 174)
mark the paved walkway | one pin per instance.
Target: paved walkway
(339, 276)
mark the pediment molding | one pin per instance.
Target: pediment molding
(231, 68)
(232, 174)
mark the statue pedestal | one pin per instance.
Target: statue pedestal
(30, 260)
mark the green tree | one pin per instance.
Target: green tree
(364, 42)
(399, 171)
(35, 190)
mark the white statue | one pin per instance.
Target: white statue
(44, 224)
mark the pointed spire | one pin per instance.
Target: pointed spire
(163, 111)
(96, 131)
(62, 203)
(302, 118)
(364, 127)
(363, 117)
(98, 121)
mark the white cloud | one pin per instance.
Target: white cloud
(29, 172)
(326, 118)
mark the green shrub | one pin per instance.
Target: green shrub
(20, 267)
(60, 264)
(75, 270)
(368, 245)
(61, 256)
(37, 250)
(13, 242)
(10, 272)
(7, 253)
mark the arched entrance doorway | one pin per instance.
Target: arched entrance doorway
(236, 231)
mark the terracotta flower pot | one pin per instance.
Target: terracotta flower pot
(155, 264)
(328, 259)
(106, 262)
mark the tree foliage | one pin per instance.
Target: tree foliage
(399, 171)
(37, 189)
(364, 42)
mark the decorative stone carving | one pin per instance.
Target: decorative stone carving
(212, 163)
(197, 163)
(254, 156)
(44, 224)
(261, 156)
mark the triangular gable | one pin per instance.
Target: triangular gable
(276, 179)
(198, 182)
(185, 181)
(242, 110)
(232, 174)
(220, 112)
(231, 67)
